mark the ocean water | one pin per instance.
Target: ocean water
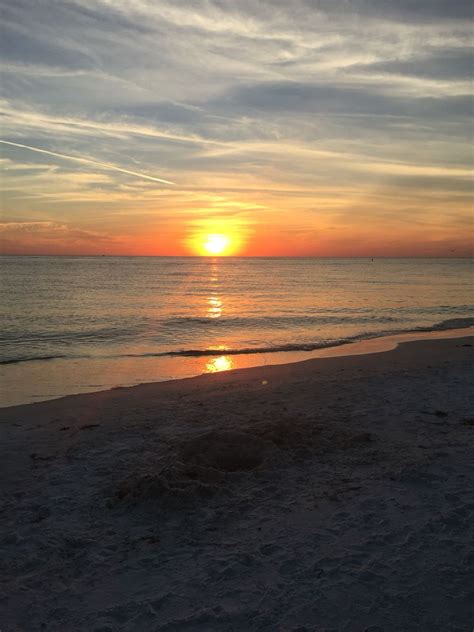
(71, 324)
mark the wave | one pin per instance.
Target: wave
(197, 353)
(35, 358)
(74, 335)
(276, 321)
(452, 323)
(337, 316)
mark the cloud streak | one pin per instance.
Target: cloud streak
(86, 161)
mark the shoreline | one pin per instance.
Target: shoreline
(196, 367)
(65, 377)
(326, 494)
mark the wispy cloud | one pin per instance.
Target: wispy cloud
(41, 237)
(87, 162)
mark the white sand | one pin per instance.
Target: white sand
(334, 494)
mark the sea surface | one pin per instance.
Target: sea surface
(73, 324)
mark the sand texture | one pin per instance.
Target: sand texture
(333, 494)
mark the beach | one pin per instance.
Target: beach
(237, 317)
(330, 494)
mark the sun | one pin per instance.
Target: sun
(216, 244)
(215, 239)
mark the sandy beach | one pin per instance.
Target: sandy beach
(331, 494)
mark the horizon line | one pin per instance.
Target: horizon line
(99, 256)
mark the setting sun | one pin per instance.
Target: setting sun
(216, 244)
(216, 237)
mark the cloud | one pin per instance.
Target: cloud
(305, 105)
(450, 65)
(87, 162)
(297, 97)
(409, 11)
(47, 236)
(51, 229)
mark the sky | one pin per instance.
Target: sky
(302, 128)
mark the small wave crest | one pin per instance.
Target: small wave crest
(452, 323)
(33, 359)
(198, 353)
(283, 322)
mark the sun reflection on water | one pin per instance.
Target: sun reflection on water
(214, 306)
(214, 309)
(222, 363)
(214, 278)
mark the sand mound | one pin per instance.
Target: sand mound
(200, 466)
(198, 469)
(310, 437)
(225, 450)
(171, 487)
(288, 434)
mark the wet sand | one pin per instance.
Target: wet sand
(31, 382)
(331, 494)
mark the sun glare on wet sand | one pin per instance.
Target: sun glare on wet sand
(222, 363)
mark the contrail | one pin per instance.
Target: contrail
(86, 161)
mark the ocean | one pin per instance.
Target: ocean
(75, 324)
